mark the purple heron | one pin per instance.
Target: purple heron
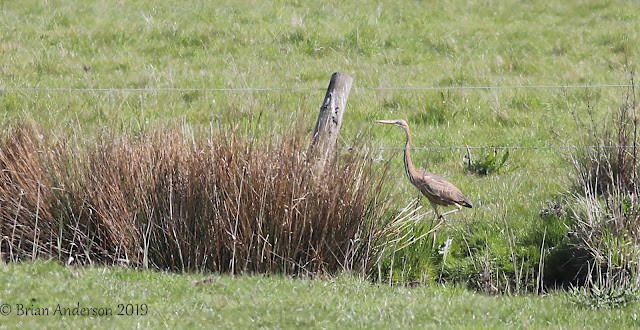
(437, 190)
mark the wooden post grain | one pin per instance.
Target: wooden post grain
(329, 121)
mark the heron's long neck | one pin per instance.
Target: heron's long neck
(408, 164)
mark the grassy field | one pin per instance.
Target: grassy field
(168, 300)
(480, 73)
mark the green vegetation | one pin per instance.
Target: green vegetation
(490, 164)
(196, 300)
(92, 86)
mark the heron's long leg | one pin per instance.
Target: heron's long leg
(440, 220)
(435, 209)
(434, 231)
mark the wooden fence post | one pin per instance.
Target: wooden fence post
(329, 121)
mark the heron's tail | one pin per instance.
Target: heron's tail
(466, 202)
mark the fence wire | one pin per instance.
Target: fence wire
(303, 89)
(357, 88)
(465, 147)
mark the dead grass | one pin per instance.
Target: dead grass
(604, 208)
(182, 200)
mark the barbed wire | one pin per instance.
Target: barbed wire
(303, 89)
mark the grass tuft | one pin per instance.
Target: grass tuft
(604, 208)
(604, 289)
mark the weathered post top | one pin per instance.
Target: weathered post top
(329, 121)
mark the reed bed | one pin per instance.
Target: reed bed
(189, 201)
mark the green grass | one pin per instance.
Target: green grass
(156, 64)
(176, 301)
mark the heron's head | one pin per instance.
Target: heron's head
(398, 122)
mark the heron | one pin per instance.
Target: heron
(436, 189)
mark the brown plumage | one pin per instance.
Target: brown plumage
(437, 190)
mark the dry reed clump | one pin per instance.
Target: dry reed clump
(604, 209)
(174, 200)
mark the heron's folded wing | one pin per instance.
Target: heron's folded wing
(440, 191)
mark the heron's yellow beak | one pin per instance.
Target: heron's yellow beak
(392, 122)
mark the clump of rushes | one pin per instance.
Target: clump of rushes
(604, 208)
(179, 200)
